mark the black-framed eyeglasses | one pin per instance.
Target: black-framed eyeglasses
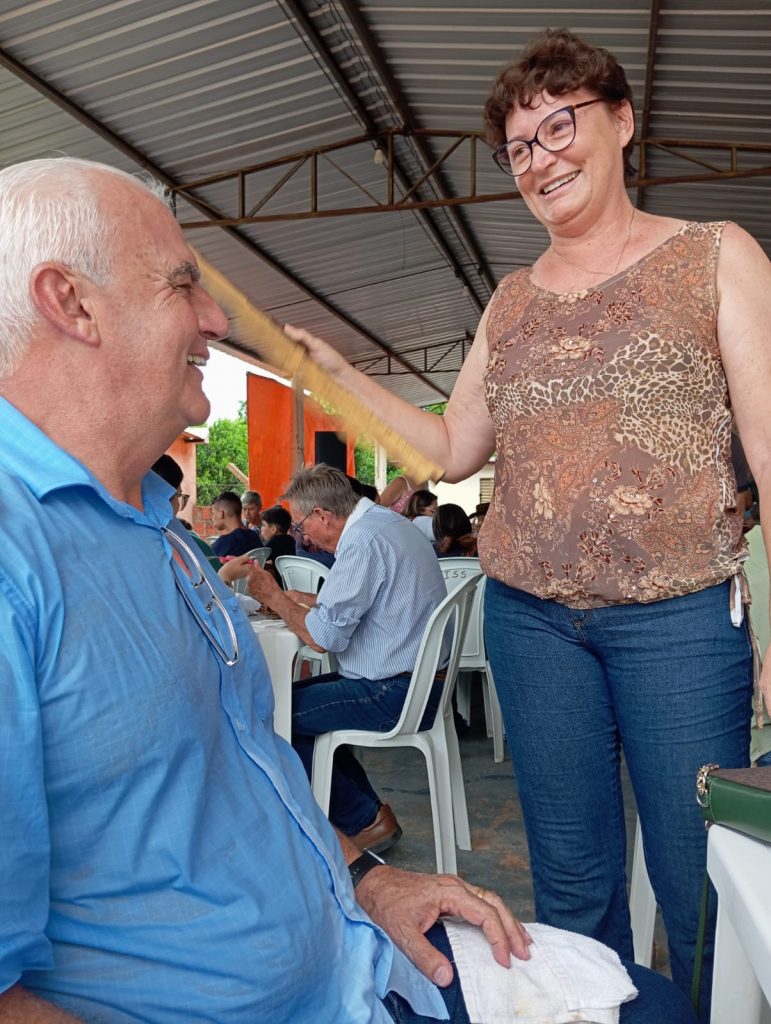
(554, 133)
(298, 527)
(216, 624)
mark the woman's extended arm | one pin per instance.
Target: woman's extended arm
(744, 333)
(461, 441)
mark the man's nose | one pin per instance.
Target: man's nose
(214, 324)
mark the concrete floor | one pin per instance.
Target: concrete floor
(499, 858)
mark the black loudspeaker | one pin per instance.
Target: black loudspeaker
(330, 449)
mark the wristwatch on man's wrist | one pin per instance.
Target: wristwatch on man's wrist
(359, 867)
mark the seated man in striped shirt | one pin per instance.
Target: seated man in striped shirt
(371, 613)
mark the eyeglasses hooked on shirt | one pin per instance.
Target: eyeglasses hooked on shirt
(212, 615)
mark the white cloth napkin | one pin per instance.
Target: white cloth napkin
(568, 978)
(248, 603)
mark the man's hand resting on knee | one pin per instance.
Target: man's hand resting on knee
(406, 904)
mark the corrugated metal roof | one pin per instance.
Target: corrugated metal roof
(213, 85)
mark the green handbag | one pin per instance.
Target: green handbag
(738, 798)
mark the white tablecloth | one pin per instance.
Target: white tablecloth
(740, 869)
(279, 645)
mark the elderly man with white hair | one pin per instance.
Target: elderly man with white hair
(162, 858)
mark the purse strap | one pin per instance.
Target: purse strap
(701, 933)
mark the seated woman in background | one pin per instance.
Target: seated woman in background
(453, 537)
(420, 511)
(397, 493)
(479, 514)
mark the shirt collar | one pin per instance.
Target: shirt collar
(362, 505)
(30, 455)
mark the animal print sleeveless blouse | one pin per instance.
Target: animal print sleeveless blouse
(613, 480)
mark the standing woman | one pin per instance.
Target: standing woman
(601, 377)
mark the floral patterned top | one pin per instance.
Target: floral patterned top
(613, 479)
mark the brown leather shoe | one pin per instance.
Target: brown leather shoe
(381, 834)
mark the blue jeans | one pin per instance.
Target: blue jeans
(669, 683)
(331, 701)
(659, 1002)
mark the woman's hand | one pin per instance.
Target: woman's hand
(235, 569)
(406, 905)
(322, 354)
(765, 679)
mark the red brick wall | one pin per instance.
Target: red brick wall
(200, 517)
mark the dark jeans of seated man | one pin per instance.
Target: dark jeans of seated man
(659, 1001)
(325, 703)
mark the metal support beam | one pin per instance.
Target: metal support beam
(399, 101)
(650, 66)
(678, 148)
(380, 366)
(375, 137)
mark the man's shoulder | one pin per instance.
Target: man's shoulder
(237, 542)
(387, 531)
(375, 523)
(20, 508)
(376, 517)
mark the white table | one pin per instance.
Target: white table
(740, 869)
(279, 645)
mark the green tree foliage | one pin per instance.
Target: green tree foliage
(227, 443)
(438, 408)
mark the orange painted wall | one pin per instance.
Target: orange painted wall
(270, 432)
(184, 453)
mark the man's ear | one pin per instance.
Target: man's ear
(61, 297)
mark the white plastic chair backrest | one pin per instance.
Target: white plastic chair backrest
(455, 571)
(456, 607)
(300, 573)
(259, 555)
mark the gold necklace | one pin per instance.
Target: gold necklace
(601, 273)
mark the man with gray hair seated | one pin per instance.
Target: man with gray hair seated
(371, 613)
(251, 506)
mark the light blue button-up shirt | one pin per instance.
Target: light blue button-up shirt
(373, 608)
(161, 856)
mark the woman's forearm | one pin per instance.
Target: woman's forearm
(460, 442)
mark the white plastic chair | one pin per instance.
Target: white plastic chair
(642, 904)
(299, 573)
(439, 744)
(474, 655)
(305, 574)
(260, 556)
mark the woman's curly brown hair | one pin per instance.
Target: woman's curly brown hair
(558, 62)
